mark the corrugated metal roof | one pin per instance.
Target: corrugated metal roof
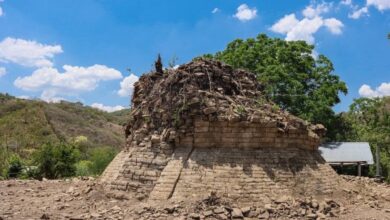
(346, 152)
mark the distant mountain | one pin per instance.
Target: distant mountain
(27, 124)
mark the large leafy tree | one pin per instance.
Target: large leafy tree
(370, 121)
(291, 76)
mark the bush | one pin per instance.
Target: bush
(3, 160)
(56, 161)
(15, 166)
(83, 168)
(100, 158)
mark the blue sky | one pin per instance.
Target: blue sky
(81, 51)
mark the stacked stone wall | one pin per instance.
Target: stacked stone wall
(247, 134)
(240, 160)
(142, 167)
(247, 175)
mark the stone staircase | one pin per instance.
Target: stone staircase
(113, 170)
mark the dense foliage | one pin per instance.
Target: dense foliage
(369, 120)
(58, 160)
(291, 76)
(27, 124)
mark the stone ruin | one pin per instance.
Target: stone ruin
(206, 127)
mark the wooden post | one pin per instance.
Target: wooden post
(359, 166)
(378, 165)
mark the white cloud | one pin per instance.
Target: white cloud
(381, 5)
(107, 108)
(73, 80)
(285, 24)
(382, 90)
(215, 10)
(312, 11)
(333, 25)
(127, 85)
(304, 29)
(244, 13)
(27, 53)
(357, 13)
(3, 71)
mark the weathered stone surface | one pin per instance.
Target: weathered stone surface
(200, 129)
(237, 213)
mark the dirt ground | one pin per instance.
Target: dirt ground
(359, 198)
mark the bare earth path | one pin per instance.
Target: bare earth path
(359, 198)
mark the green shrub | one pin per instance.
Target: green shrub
(100, 158)
(3, 160)
(15, 166)
(56, 161)
(83, 168)
(30, 172)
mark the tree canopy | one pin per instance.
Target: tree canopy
(292, 77)
(369, 120)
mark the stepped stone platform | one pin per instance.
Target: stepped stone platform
(206, 127)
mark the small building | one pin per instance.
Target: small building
(342, 155)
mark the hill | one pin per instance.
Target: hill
(27, 124)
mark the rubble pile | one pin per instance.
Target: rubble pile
(210, 124)
(84, 198)
(206, 88)
(282, 208)
(361, 193)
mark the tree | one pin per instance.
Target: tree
(292, 78)
(370, 120)
(56, 161)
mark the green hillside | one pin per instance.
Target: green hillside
(27, 124)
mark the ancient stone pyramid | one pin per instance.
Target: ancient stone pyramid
(206, 127)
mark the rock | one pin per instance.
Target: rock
(116, 208)
(155, 138)
(282, 199)
(45, 216)
(88, 190)
(70, 190)
(264, 215)
(387, 210)
(219, 210)
(170, 210)
(246, 210)
(194, 216)
(252, 214)
(302, 212)
(321, 215)
(199, 74)
(209, 110)
(208, 213)
(222, 216)
(237, 213)
(311, 216)
(268, 207)
(314, 204)
(95, 215)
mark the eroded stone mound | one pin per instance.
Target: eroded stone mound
(207, 127)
